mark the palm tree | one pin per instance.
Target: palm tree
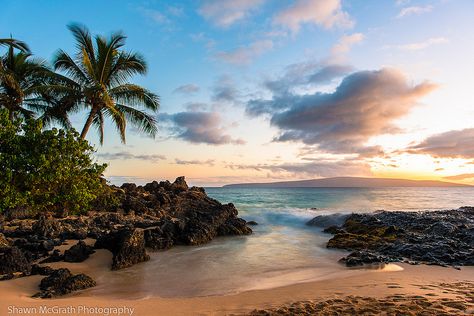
(21, 77)
(100, 74)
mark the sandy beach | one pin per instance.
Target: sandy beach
(452, 289)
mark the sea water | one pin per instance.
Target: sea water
(282, 250)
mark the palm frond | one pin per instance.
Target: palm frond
(84, 40)
(63, 62)
(126, 66)
(15, 44)
(134, 95)
(98, 122)
(118, 118)
(143, 121)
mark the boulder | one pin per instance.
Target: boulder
(179, 185)
(13, 261)
(47, 227)
(41, 270)
(78, 253)
(127, 247)
(61, 282)
(360, 258)
(55, 256)
(325, 221)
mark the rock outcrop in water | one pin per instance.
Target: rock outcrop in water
(443, 238)
(156, 216)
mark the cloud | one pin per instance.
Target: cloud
(203, 38)
(414, 10)
(196, 106)
(346, 42)
(326, 13)
(200, 128)
(304, 74)
(314, 169)
(401, 2)
(452, 144)
(155, 15)
(424, 44)
(176, 11)
(463, 176)
(224, 90)
(209, 162)
(186, 89)
(246, 54)
(365, 104)
(226, 13)
(123, 155)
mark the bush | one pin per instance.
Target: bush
(48, 170)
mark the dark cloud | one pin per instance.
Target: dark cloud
(365, 104)
(313, 169)
(463, 176)
(200, 127)
(196, 106)
(452, 144)
(186, 89)
(123, 155)
(224, 90)
(209, 162)
(306, 73)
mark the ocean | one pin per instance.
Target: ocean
(281, 251)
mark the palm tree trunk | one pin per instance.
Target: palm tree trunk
(10, 115)
(88, 123)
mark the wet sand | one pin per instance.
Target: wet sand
(365, 289)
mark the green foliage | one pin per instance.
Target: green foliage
(48, 170)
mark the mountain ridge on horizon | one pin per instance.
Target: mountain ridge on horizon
(348, 182)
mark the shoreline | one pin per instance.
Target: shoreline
(418, 280)
(172, 214)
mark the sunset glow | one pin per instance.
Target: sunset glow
(285, 90)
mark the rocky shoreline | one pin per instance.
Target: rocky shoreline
(153, 217)
(160, 215)
(444, 238)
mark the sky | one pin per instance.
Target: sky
(272, 90)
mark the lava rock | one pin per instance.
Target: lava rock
(61, 282)
(234, 226)
(4, 242)
(127, 247)
(47, 227)
(360, 258)
(156, 239)
(41, 270)
(13, 261)
(55, 256)
(179, 185)
(327, 220)
(78, 253)
(444, 238)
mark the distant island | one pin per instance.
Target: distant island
(349, 182)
